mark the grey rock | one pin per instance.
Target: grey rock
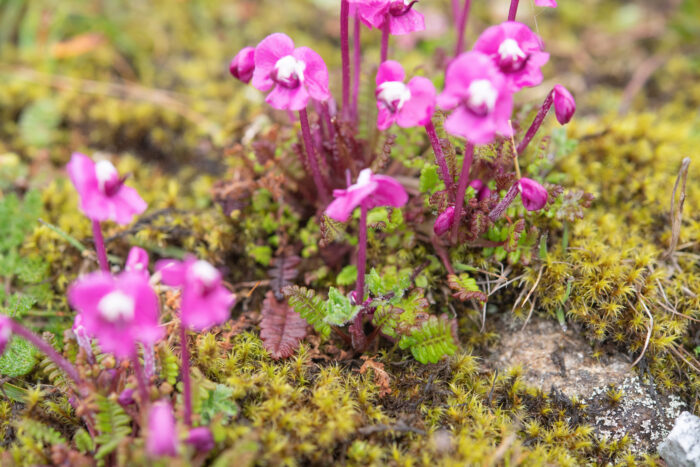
(682, 446)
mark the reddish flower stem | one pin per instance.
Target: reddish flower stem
(501, 207)
(462, 187)
(185, 367)
(49, 351)
(462, 26)
(385, 40)
(513, 10)
(312, 156)
(440, 156)
(455, 12)
(357, 54)
(100, 246)
(140, 378)
(358, 334)
(539, 118)
(345, 52)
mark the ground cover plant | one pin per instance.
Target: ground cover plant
(301, 254)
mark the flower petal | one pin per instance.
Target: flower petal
(268, 51)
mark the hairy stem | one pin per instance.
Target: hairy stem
(149, 360)
(462, 187)
(186, 388)
(385, 40)
(140, 378)
(440, 156)
(345, 52)
(357, 55)
(358, 334)
(462, 26)
(312, 156)
(539, 118)
(513, 10)
(100, 245)
(501, 207)
(49, 351)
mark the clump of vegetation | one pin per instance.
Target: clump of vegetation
(314, 367)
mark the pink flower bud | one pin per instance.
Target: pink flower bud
(162, 435)
(137, 261)
(201, 439)
(482, 191)
(547, 3)
(243, 64)
(564, 104)
(5, 332)
(126, 397)
(444, 221)
(533, 194)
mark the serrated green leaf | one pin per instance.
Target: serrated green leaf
(431, 341)
(311, 307)
(347, 276)
(339, 310)
(428, 179)
(219, 401)
(18, 359)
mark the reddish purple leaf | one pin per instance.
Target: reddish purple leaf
(281, 328)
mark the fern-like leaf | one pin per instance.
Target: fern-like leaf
(465, 288)
(169, 363)
(281, 329)
(431, 341)
(281, 275)
(311, 307)
(112, 423)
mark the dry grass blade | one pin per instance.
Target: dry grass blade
(651, 326)
(532, 308)
(677, 211)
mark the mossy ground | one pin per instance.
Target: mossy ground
(163, 105)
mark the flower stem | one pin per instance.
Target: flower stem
(100, 245)
(149, 360)
(455, 12)
(185, 367)
(462, 26)
(462, 187)
(513, 9)
(357, 61)
(385, 40)
(539, 118)
(501, 207)
(345, 52)
(47, 350)
(311, 154)
(358, 334)
(140, 378)
(440, 156)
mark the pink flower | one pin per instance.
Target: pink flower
(243, 64)
(294, 75)
(444, 221)
(403, 19)
(201, 438)
(409, 104)
(480, 95)
(547, 3)
(119, 311)
(533, 194)
(162, 434)
(516, 50)
(564, 104)
(5, 332)
(370, 191)
(137, 261)
(103, 195)
(205, 301)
